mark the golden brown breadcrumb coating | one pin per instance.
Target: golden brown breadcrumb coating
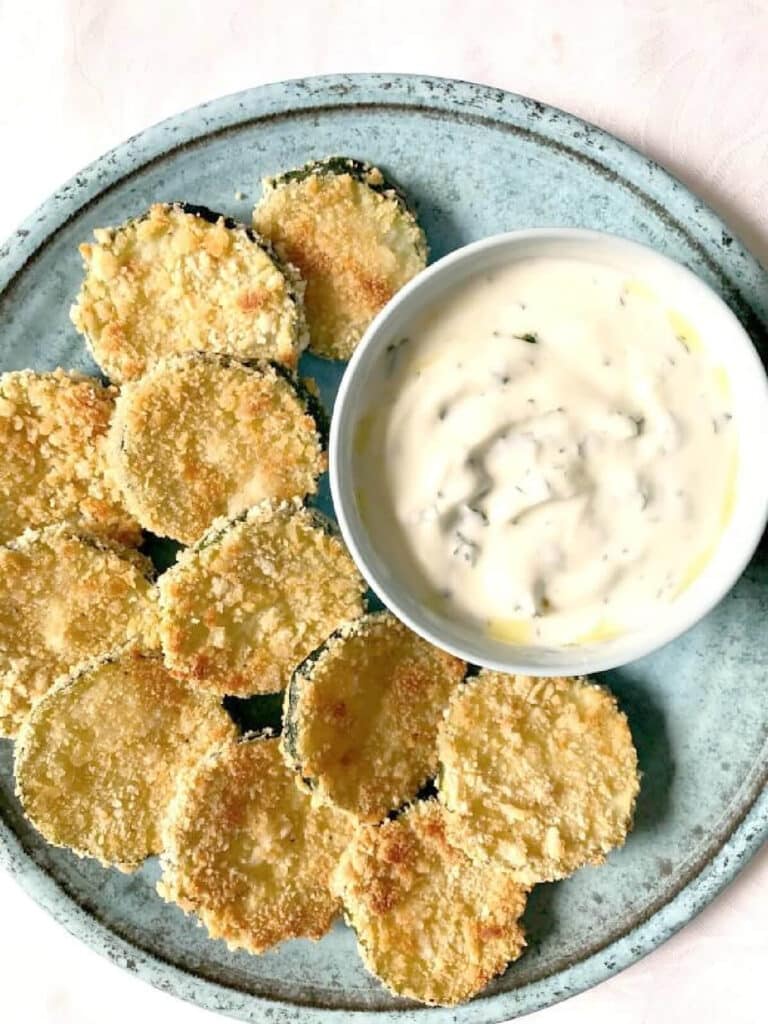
(354, 246)
(53, 429)
(254, 597)
(361, 715)
(431, 924)
(175, 281)
(98, 756)
(248, 852)
(541, 773)
(64, 597)
(203, 436)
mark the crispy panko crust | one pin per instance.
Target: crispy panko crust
(181, 279)
(355, 246)
(254, 597)
(65, 597)
(431, 924)
(53, 430)
(248, 852)
(361, 715)
(203, 436)
(541, 774)
(98, 755)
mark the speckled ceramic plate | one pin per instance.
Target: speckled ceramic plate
(476, 161)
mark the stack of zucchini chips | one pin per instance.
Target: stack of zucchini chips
(421, 801)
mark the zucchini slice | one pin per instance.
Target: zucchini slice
(53, 430)
(182, 278)
(247, 852)
(431, 924)
(254, 597)
(64, 597)
(98, 755)
(354, 239)
(362, 712)
(541, 774)
(202, 436)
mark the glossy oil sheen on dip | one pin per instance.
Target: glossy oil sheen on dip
(552, 453)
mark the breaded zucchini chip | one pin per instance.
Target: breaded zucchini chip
(354, 239)
(64, 597)
(203, 436)
(182, 278)
(254, 597)
(541, 774)
(431, 924)
(362, 712)
(53, 429)
(248, 852)
(98, 755)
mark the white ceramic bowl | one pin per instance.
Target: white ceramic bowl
(726, 341)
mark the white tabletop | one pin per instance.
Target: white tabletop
(683, 80)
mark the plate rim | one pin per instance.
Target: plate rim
(728, 853)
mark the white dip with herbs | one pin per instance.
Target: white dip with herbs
(552, 453)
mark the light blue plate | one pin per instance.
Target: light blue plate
(476, 161)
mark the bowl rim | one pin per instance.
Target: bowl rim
(585, 659)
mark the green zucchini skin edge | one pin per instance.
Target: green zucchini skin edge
(204, 213)
(310, 401)
(148, 571)
(217, 530)
(290, 734)
(359, 170)
(292, 699)
(212, 217)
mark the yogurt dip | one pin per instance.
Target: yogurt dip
(551, 454)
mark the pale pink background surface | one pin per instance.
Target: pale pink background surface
(686, 82)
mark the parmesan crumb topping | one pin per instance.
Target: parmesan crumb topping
(64, 597)
(97, 758)
(354, 245)
(181, 279)
(541, 774)
(254, 597)
(203, 436)
(430, 923)
(362, 715)
(248, 852)
(53, 429)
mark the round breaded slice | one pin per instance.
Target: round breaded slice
(182, 278)
(354, 239)
(361, 715)
(53, 430)
(64, 597)
(541, 774)
(98, 755)
(204, 436)
(243, 607)
(248, 852)
(431, 924)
